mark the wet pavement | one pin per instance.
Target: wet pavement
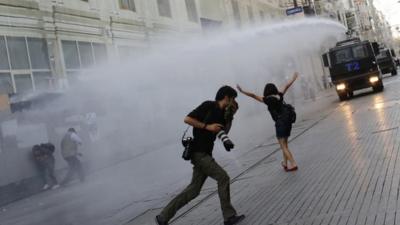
(349, 171)
(348, 174)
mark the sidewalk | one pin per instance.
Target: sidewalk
(349, 171)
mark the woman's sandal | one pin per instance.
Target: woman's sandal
(292, 169)
(284, 166)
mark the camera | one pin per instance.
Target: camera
(186, 142)
(228, 144)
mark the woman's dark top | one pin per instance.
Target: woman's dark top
(274, 103)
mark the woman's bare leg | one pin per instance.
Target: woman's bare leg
(285, 159)
(285, 148)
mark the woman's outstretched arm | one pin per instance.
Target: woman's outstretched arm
(287, 86)
(251, 95)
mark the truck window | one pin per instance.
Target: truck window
(383, 54)
(342, 56)
(359, 52)
(349, 54)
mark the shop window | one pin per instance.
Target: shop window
(38, 53)
(42, 80)
(23, 83)
(86, 54)
(18, 53)
(4, 64)
(6, 83)
(71, 56)
(100, 53)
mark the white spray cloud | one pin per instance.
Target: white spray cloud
(142, 101)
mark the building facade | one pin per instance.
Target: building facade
(44, 44)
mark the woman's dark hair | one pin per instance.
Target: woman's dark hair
(270, 89)
(225, 91)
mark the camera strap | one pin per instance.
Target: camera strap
(184, 133)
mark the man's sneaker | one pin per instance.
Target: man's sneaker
(234, 220)
(45, 187)
(159, 221)
(55, 187)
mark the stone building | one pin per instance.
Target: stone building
(44, 44)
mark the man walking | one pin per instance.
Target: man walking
(69, 151)
(207, 120)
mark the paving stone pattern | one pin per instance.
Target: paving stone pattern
(349, 172)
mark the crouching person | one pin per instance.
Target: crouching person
(43, 155)
(207, 121)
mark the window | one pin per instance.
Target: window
(236, 12)
(6, 83)
(82, 55)
(349, 54)
(27, 56)
(359, 52)
(38, 53)
(86, 54)
(4, 64)
(71, 56)
(127, 4)
(100, 53)
(42, 80)
(18, 53)
(23, 83)
(383, 54)
(191, 10)
(251, 15)
(164, 8)
(342, 56)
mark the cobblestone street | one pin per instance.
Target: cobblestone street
(349, 171)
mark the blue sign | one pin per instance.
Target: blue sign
(294, 10)
(353, 66)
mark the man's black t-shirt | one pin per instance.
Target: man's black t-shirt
(208, 112)
(274, 104)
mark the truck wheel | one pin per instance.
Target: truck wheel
(378, 88)
(342, 96)
(394, 72)
(350, 94)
